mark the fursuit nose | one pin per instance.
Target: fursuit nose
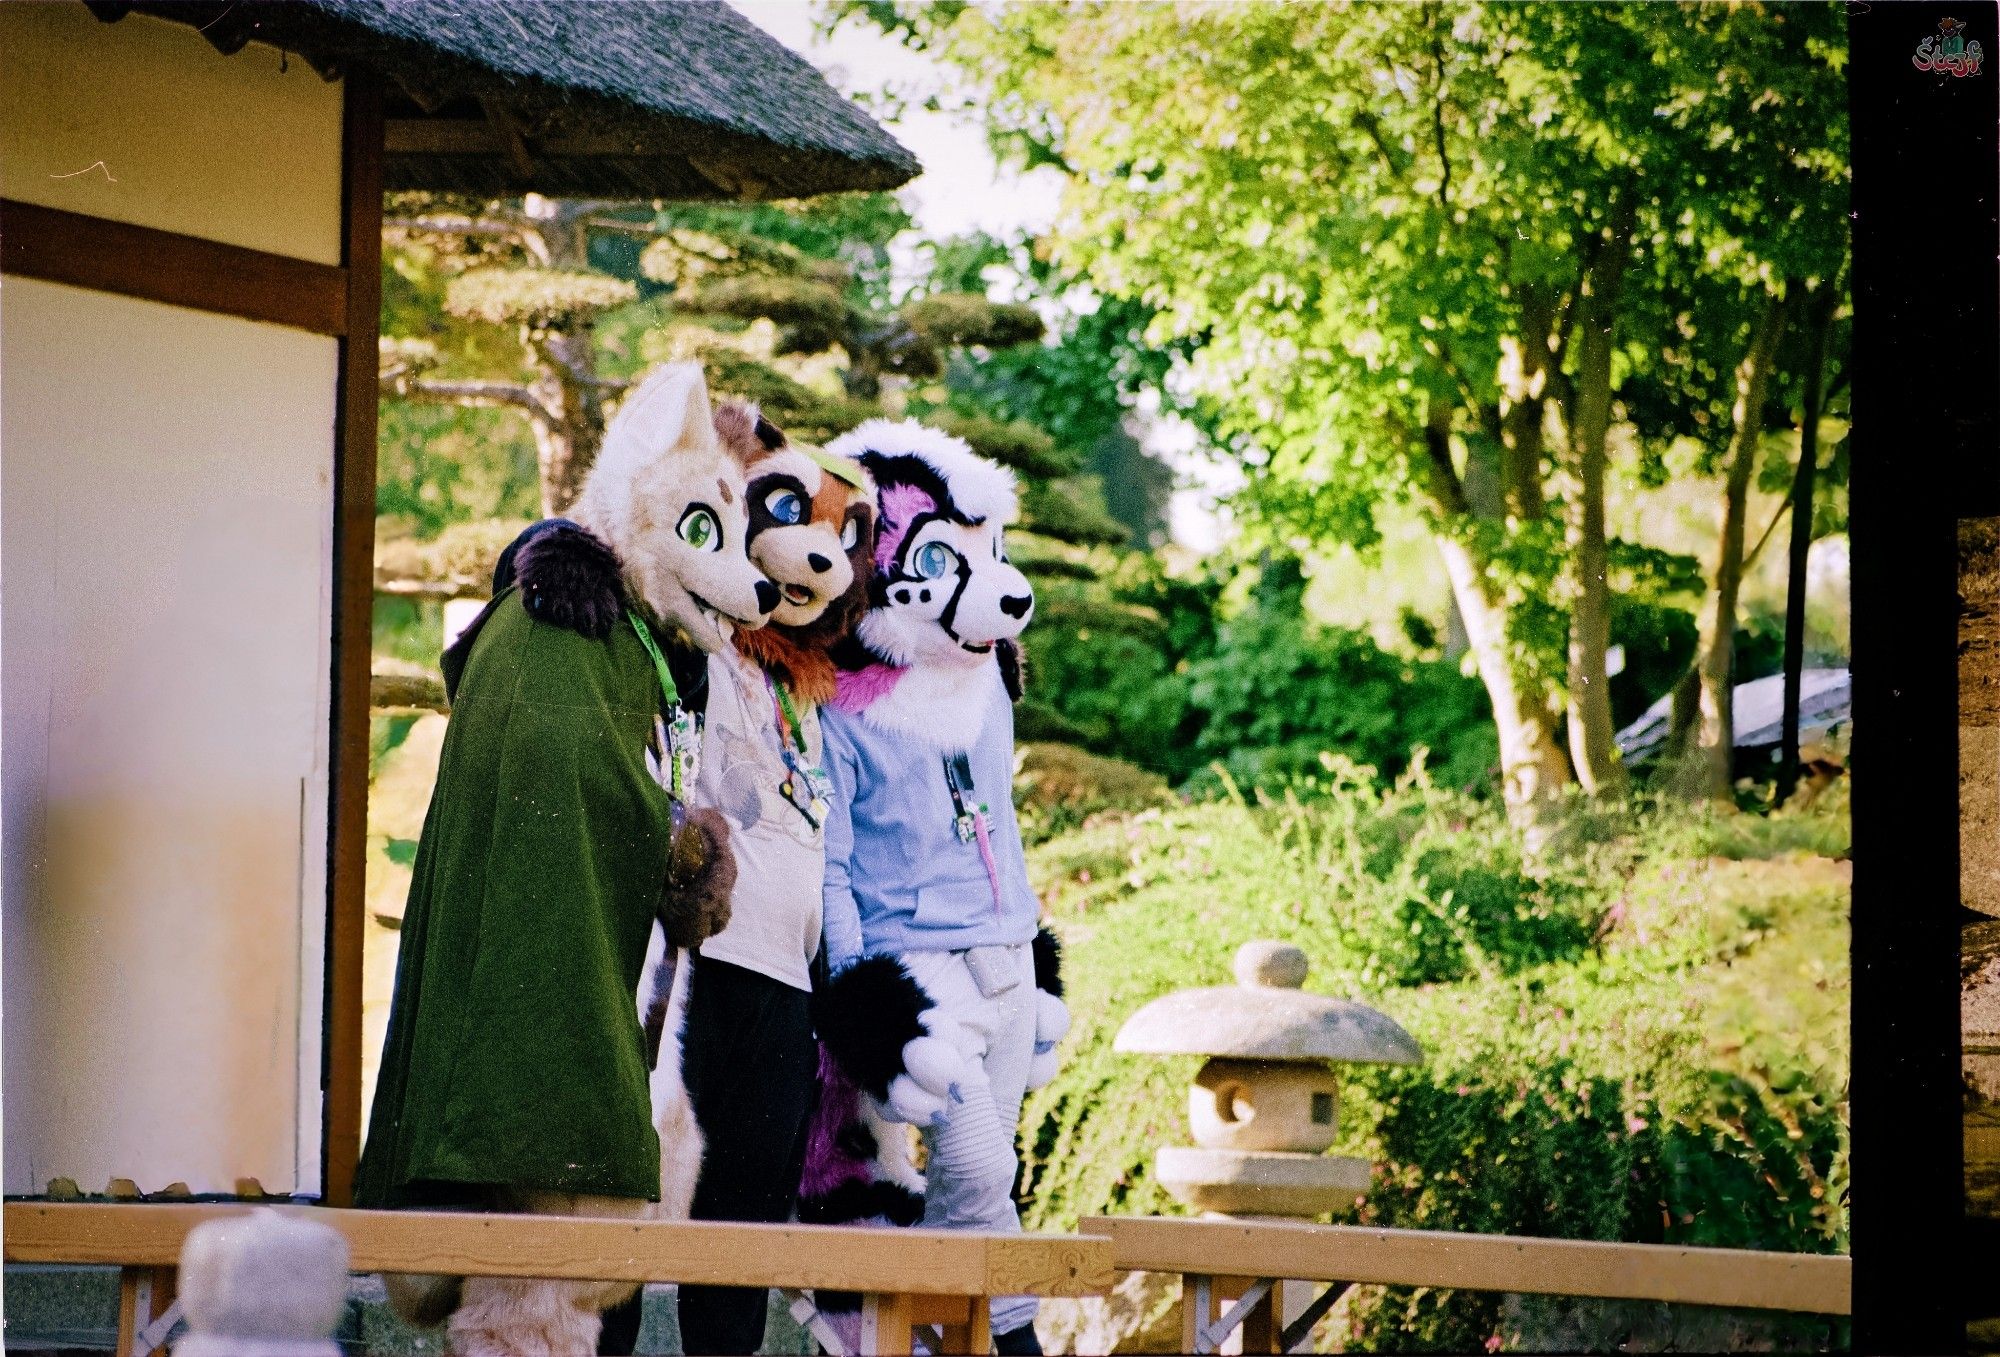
(818, 562)
(767, 596)
(1017, 605)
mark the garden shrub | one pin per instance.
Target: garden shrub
(1057, 787)
(1643, 1041)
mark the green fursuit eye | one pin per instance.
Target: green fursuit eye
(934, 560)
(699, 529)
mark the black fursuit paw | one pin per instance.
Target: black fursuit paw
(855, 1200)
(1013, 668)
(568, 578)
(1048, 962)
(865, 1016)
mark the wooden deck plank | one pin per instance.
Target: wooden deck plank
(1809, 1283)
(926, 1262)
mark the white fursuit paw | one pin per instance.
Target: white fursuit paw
(1051, 1026)
(934, 1073)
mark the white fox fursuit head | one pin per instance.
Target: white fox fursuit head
(670, 497)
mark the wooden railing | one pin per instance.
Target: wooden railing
(1248, 1261)
(905, 1277)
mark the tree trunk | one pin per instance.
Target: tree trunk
(1592, 747)
(568, 386)
(1524, 380)
(1801, 543)
(566, 381)
(1533, 768)
(1705, 772)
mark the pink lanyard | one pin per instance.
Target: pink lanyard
(970, 819)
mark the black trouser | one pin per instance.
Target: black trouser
(751, 1067)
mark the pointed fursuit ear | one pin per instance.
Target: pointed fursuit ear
(669, 410)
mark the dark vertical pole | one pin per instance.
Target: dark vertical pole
(1926, 373)
(353, 608)
(1801, 544)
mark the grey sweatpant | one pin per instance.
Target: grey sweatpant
(971, 1159)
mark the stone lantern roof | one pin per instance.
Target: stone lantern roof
(1267, 1016)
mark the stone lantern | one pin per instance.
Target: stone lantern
(1266, 1105)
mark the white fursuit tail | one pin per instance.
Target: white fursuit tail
(673, 1115)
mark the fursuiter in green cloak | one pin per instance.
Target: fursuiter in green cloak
(515, 1074)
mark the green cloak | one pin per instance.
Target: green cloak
(514, 1055)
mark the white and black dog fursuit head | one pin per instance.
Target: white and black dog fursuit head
(944, 594)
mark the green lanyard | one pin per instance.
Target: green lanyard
(791, 717)
(683, 731)
(667, 684)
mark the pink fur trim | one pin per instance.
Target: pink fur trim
(859, 689)
(827, 1164)
(900, 506)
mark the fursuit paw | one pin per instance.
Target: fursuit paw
(568, 578)
(1051, 1026)
(889, 1037)
(701, 873)
(933, 1077)
(1051, 1013)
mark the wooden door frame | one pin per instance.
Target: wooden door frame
(361, 154)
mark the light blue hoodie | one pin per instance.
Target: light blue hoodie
(899, 878)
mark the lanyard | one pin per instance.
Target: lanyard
(667, 684)
(789, 721)
(682, 730)
(970, 818)
(805, 787)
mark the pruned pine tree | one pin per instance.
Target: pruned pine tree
(794, 330)
(888, 360)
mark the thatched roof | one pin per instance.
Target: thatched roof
(576, 98)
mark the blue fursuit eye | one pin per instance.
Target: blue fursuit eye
(935, 560)
(786, 506)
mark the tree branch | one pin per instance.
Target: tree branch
(455, 224)
(440, 391)
(1446, 490)
(619, 226)
(1437, 117)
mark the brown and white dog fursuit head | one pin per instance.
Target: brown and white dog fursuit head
(812, 530)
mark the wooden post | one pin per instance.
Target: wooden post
(1262, 1328)
(1197, 1303)
(144, 1293)
(964, 1322)
(353, 611)
(885, 1323)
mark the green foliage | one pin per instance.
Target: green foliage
(964, 319)
(539, 299)
(463, 553)
(1058, 787)
(811, 313)
(1358, 216)
(1014, 443)
(1647, 1042)
(443, 464)
(1659, 642)
(1278, 693)
(1070, 511)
